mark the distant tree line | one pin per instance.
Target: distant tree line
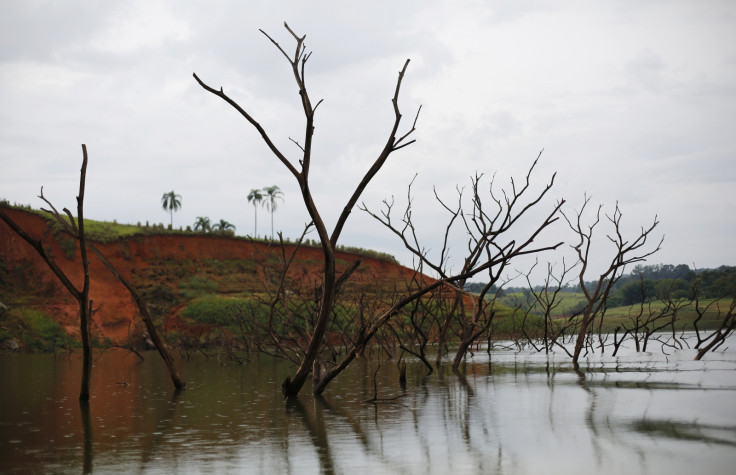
(477, 287)
(657, 281)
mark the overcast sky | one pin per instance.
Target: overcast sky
(632, 101)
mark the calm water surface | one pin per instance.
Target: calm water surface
(513, 413)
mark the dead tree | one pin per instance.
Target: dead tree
(81, 295)
(413, 327)
(291, 302)
(548, 299)
(726, 325)
(484, 252)
(491, 262)
(488, 247)
(626, 252)
(160, 345)
(67, 226)
(365, 336)
(650, 319)
(288, 324)
(300, 170)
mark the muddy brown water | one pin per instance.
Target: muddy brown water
(512, 412)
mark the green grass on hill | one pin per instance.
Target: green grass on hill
(35, 330)
(570, 302)
(105, 232)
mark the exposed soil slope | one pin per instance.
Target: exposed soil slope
(161, 267)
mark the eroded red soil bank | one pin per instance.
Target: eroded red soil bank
(158, 265)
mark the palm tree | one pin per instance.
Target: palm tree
(223, 226)
(256, 197)
(273, 193)
(202, 224)
(171, 202)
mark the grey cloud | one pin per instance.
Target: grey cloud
(641, 127)
(41, 30)
(647, 70)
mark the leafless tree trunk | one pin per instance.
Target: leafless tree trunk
(626, 252)
(81, 295)
(292, 385)
(160, 345)
(293, 298)
(366, 335)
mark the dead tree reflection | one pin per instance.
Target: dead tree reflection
(88, 450)
(314, 421)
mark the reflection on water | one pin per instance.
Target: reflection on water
(508, 412)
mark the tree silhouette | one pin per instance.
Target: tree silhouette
(255, 196)
(272, 193)
(171, 202)
(223, 226)
(300, 171)
(202, 224)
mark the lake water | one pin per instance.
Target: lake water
(513, 413)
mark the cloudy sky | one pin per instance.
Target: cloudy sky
(632, 101)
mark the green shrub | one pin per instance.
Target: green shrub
(197, 286)
(234, 313)
(40, 333)
(68, 245)
(212, 309)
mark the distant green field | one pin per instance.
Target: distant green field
(685, 315)
(571, 302)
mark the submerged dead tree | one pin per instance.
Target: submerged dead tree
(145, 316)
(488, 228)
(160, 345)
(650, 318)
(726, 324)
(81, 295)
(300, 169)
(625, 252)
(546, 300)
(76, 231)
(488, 224)
(485, 251)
